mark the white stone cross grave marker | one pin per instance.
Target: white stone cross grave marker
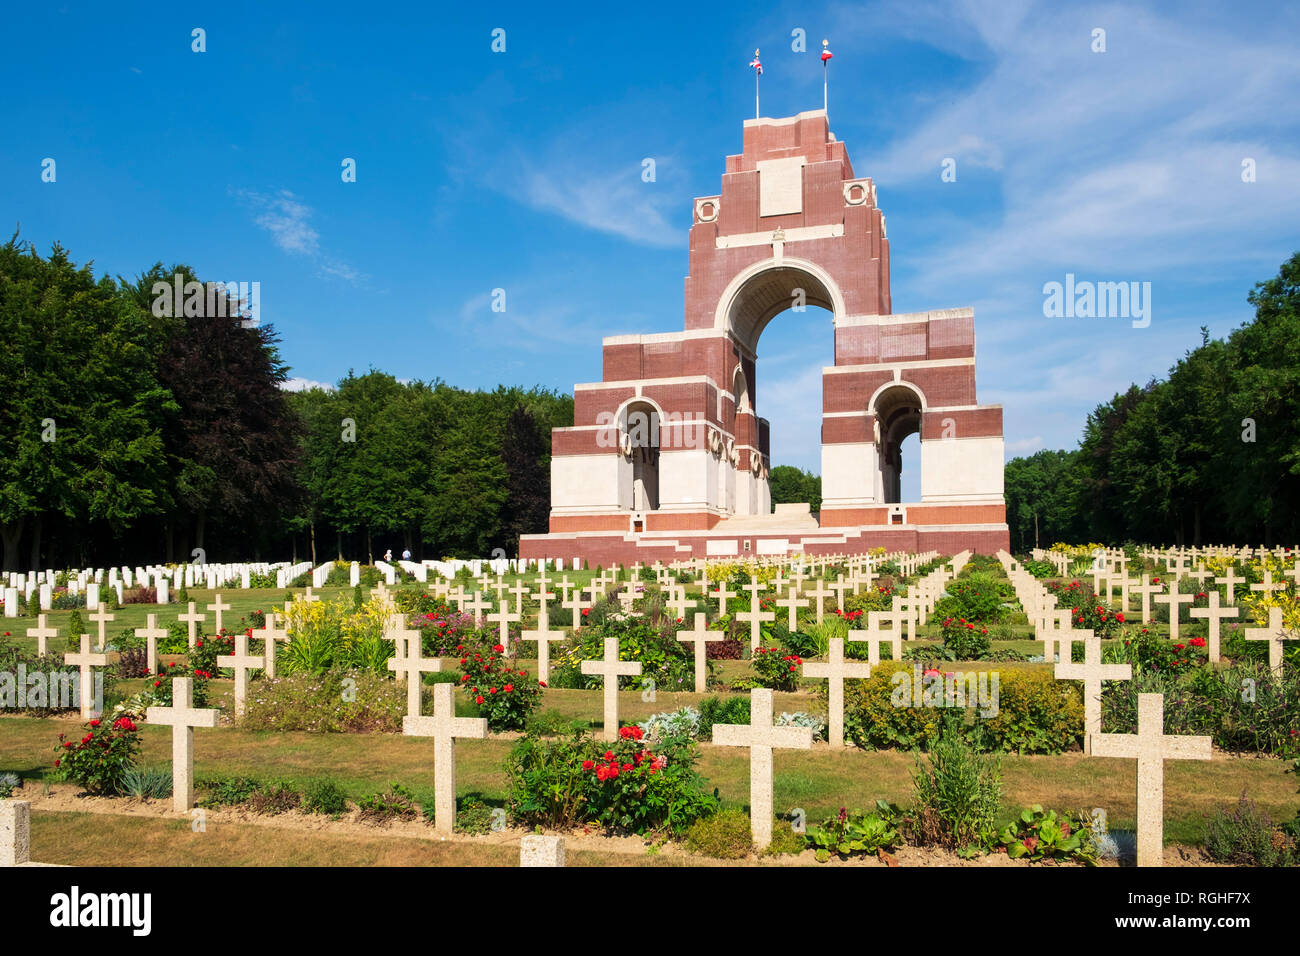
(1175, 599)
(151, 632)
(761, 737)
(1230, 581)
(42, 632)
(875, 635)
(1146, 589)
(576, 605)
(754, 616)
(1092, 672)
(519, 591)
(476, 606)
(700, 637)
(1151, 747)
(610, 668)
(1214, 614)
(723, 595)
(84, 662)
(1268, 585)
(268, 634)
(102, 617)
(679, 603)
(836, 670)
(217, 609)
(409, 660)
(1275, 634)
(819, 594)
(191, 621)
(792, 604)
(543, 636)
(243, 664)
(504, 618)
(182, 716)
(444, 727)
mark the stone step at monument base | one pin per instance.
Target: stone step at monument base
(603, 549)
(786, 518)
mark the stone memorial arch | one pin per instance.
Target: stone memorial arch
(669, 456)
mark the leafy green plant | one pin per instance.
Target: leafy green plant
(396, 803)
(9, 782)
(324, 796)
(1039, 835)
(276, 797)
(472, 816)
(849, 834)
(733, 709)
(334, 701)
(725, 835)
(226, 790)
(146, 783)
(1247, 836)
(957, 795)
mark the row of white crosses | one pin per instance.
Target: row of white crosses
(1150, 746)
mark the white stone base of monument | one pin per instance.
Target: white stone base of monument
(541, 851)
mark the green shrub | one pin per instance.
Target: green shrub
(723, 836)
(75, 629)
(272, 798)
(100, 760)
(336, 701)
(733, 709)
(396, 803)
(628, 785)
(225, 790)
(1034, 714)
(965, 640)
(665, 660)
(324, 796)
(473, 816)
(957, 795)
(1248, 837)
(977, 597)
(505, 696)
(775, 670)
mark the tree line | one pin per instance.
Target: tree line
(1208, 455)
(130, 433)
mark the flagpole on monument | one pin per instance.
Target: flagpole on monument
(826, 59)
(758, 71)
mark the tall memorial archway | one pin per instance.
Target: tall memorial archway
(792, 225)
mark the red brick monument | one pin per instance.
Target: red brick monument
(668, 457)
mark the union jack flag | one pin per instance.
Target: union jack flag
(755, 64)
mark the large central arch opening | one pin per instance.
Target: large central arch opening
(782, 391)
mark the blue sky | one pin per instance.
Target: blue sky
(522, 170)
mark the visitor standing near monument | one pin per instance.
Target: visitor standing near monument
(388, 555)
(406, 554)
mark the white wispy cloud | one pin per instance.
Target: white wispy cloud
(287, 219)
(304, 385)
